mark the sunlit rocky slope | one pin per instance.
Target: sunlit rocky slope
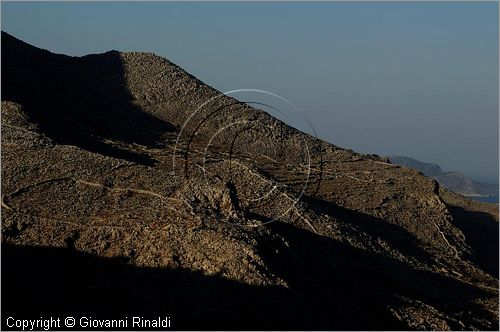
(129, 187)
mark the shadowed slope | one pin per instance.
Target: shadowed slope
(79, 101)
(324, 292)
(102, 205)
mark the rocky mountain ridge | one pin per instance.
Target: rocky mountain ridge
(453, 181)
(136, 188)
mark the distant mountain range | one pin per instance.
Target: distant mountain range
(453, 181)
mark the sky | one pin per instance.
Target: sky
(391, 78)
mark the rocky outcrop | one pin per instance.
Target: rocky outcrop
(453, 181)
(167, 196)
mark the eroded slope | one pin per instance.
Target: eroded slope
(110, 159)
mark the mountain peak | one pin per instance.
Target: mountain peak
(123, 174)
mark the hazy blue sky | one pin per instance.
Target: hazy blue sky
(414, 79)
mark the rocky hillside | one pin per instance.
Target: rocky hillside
(129, 187)
(453, 181)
